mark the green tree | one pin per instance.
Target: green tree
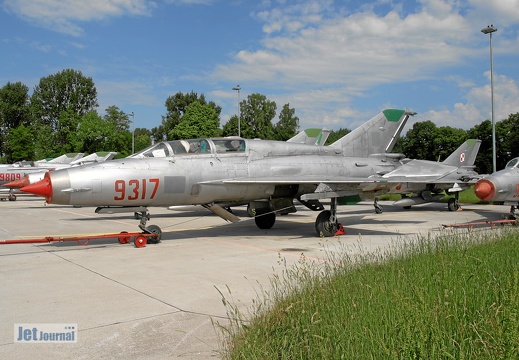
(507, 140)
(65, 136)
(418, 143)
(14, 111)
(287, 125)
(20, 142)
(336, 135)
(176, 106)
(447, 140)
(230, 128)
(119, 118)
(483, 132)
(100, 134)
(257, 113)
(199, 120)
(66, 91)
(142, 139)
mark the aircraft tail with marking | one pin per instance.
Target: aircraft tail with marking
(311, 136)
(377, 136)
(465, 155)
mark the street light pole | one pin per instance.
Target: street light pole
(489, 30)
(133, 131)
(238, 88)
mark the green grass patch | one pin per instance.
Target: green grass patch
(450, 297)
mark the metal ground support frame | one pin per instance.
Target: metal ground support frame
(471, 225)
(139, 239)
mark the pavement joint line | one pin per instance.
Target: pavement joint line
(134, 289)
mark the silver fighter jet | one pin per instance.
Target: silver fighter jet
(15, 176)
(502, 185)
(268, 175)
(423, 181)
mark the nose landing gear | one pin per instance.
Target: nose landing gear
(144, 216)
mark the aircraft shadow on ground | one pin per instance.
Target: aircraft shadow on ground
(293, 226)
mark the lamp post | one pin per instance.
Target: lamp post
(133, 131)
(489, 30)
(238, 88)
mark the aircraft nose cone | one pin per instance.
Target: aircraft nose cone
(485, 189)
(17, 184)
(40, 188)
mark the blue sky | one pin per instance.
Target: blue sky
(338, 63)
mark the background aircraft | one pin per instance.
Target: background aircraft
(503, 185)
(267, 174)
(423, 181)
(16, 171)
(18, 175)
(312, 136)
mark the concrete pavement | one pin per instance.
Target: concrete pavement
(161, 301)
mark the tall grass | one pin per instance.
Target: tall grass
(449, 297)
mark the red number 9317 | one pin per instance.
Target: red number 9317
(136, 189)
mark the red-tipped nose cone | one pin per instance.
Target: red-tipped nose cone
(40, 188)
(485, 189)
(17, 184)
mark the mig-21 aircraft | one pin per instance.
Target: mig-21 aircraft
(17, 171)
(267, 174)
(502, 185)
(424, 181)
(23, 173)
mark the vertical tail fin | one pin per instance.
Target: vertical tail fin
(311, 136)
(465, 155)
(377, 136)
(95, 157)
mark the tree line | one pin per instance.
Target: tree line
(61, 117)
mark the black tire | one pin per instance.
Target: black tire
(379, 209)
(453, 205)
(323, 225)
(265, 219)
(407, 207)
(154, 229)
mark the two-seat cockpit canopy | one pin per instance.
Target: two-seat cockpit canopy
(191, 147)
(514, 163)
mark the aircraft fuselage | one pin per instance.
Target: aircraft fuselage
(201, 178)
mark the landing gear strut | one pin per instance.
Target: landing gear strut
(378, 208)
(512, 215)
(453, 203)
(326, 223)
(144, 216)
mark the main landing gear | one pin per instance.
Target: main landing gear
(453, 204)
(378, 208)
(326, 223)
(10, 197)
(512, 214)
(144, 216)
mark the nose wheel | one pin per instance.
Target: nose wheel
(144, 216)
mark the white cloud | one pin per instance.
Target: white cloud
(477, 107)
(63, 15)
(346, 52)
(363, 47)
